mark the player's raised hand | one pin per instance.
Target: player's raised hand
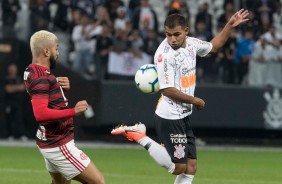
(199, 103)
(239, 17)
(64, 82)
(80, 107)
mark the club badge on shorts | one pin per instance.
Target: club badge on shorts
(179, 151)
(83, 156)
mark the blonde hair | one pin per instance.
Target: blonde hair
(41, 39)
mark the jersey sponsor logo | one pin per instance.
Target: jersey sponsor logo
(160, 58)
(179, 151)
(178, 138)
(188, 81)
(166, 75)
(165, 65)
(41, 133)
(26, 75)
(184, 71)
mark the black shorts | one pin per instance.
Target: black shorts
(177, 137)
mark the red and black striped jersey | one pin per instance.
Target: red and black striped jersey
(50, 107)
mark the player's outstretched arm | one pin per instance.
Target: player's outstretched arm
(238, 18)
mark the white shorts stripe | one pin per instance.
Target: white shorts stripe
(79, 164)
(68, 157)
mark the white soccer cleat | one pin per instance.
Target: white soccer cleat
(132, 133)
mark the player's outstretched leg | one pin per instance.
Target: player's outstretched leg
(138, 133)
(132, 133)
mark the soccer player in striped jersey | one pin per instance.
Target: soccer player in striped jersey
(55, 134)
(175, 60)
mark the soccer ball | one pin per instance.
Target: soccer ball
(146, 79)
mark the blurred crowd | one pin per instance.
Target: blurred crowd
(97, 28)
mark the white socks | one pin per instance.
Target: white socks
(158, 153)
(184, 179)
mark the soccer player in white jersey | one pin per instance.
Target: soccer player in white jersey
(175, 60)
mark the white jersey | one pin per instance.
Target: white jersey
(177, 68)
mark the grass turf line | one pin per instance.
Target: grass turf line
(134, 166)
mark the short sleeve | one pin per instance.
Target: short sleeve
(203, 47)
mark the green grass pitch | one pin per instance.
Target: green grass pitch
(25, 165)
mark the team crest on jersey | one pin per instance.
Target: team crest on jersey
(179, 151)
(166, 49)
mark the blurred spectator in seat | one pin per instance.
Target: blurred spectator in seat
(252, 24)
(132, 5)
(145, 16)
(121, 46)
(201, 31)
(274, 67)
(104, 46)
(10, 9)
(89, 6)
(84, 46)
(102, 17)
(208, 67)
(179, 6)
(14, 89)
(120, 41)
(112, 6)
(248, 4)
(264, 26)
(229, 10)
(136, 41)
(145, 28)
(244, 50)
(151, 43)
(227, 62)
(61, 16)
(258, 66)
(264, 8)
(121, 19)
(203, 15)
(272, 35)
(75, 18)
(39, 16)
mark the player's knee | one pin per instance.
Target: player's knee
(191, 168)
(179, 169)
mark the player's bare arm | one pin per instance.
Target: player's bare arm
(177, 95)
(80, 107)
(64, 82)
(238, 18)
